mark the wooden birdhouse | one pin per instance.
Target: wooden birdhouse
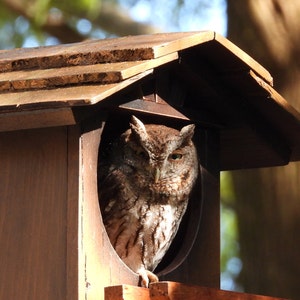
(59, 105)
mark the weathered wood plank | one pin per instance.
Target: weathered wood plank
(129, 48)
(63, 97)
(126, 292)
(245, 58)
(178, 291)
(33, 214)
(99, 73)
(38, 119)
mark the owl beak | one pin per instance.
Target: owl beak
(156, 175)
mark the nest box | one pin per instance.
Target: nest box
(60, 104)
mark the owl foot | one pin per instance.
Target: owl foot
(147, 277)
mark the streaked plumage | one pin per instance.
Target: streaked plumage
(144, 188)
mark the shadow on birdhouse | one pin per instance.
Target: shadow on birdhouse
(61, 107)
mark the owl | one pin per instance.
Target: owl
(144, 187)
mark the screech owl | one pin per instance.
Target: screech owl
(144, 188)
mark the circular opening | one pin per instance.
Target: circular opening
(115, 125)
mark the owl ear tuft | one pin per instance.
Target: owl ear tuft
(138, 128)
(187, 132)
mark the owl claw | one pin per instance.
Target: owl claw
(147, 277)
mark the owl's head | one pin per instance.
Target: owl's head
(160, 153)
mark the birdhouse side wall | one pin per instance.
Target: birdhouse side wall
(33, 213)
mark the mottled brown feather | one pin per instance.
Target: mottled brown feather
(144, 186)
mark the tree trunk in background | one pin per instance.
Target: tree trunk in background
(268, 200)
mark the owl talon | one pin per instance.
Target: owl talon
(147, 277)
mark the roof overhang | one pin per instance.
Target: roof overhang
(224, 89)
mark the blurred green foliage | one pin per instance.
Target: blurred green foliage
(45, 22)
(231, 264)
(27, 23)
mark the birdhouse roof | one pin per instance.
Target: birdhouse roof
(218, 86)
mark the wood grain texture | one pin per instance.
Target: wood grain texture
(72, 217)
(130, 48)
(76, 75)
(126, 292)
(99, 265)
(63, 97)
(179, 291)
(33, 214)
(176, 291)
(39, 119)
